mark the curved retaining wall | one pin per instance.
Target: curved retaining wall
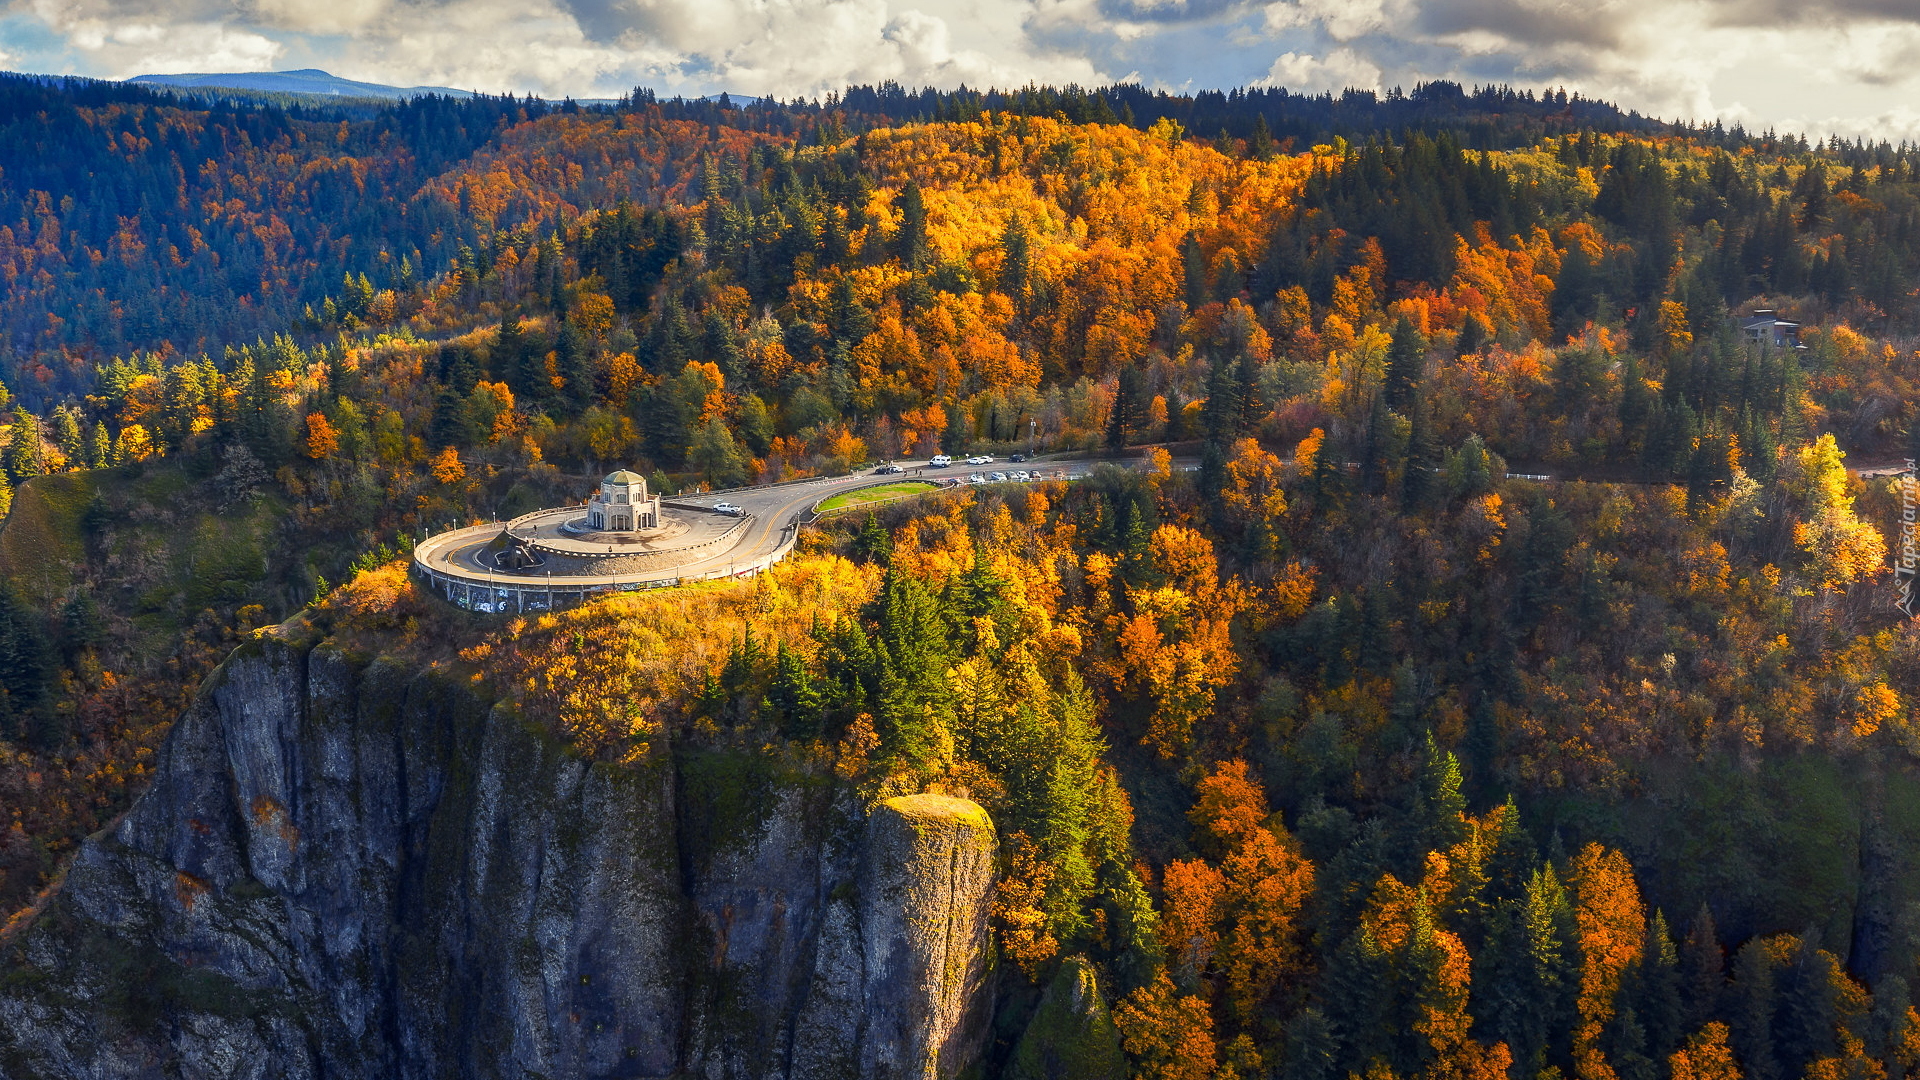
(498, 594)
(494, 593)
(665, 558)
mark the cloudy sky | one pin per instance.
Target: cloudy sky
(1807, 65)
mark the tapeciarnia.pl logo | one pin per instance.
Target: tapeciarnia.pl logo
(1905, 566)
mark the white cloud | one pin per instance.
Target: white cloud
(130, 48)
(320, 16)
(1343, 20)
(1834, 64)
(1339, 70)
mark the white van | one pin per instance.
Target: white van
(939, 461)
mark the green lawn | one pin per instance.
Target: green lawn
(862, 496)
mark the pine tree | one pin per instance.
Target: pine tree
(912, 642)
(1406, 363)
(756, 425)
(910, 245)
(1527, 976)
(1129, 410)
(1702, 971)
(873, 543)
(716, 455)
(23, 458)
(1015, 245)
(1261, 146)
(1439, 818)
(1750, 1008)
(574, 354)
(509, 357)
(100, 448)
(1807, 1010)
(24, 672)
(451, 424)
(1194, 272)
(67, 435)
(1417, 482)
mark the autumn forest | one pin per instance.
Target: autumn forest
(1490, 670)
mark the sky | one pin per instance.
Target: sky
(1813, 66)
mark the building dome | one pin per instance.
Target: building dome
(623, 505)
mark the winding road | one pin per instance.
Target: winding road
(772, 517)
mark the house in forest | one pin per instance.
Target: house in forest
(1767, 328)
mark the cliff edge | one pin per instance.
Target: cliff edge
(348, 868)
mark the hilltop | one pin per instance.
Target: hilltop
(299, 81)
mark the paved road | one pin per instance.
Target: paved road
(770, 513)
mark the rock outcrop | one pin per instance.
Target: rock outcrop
(345, 868)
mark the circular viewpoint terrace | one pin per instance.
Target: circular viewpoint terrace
(555, 558)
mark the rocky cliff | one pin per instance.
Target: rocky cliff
(346, 868)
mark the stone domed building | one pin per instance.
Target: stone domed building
(622, 505)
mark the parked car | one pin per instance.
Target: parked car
(888, 469)
(939, 461)
(976, 478)
(728, 508)
(997, 478)
(1017, 458)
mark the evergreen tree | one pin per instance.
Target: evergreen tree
(1261, 146)
(25, 710)
(81, 625)
(715, 454)
(756, 425)
(792, 700)
(1129, 408)
(574, 356)
(99, 448)
(1438, 820)
(1702, 971)
(23, 457)
(67, 435)
(1651, 989)
(1418, 481)
(1253, 408)
(1194, 271)
(1015, 250)
(1806, 1012)
(451, 424)
(1527, 977)
(1406, 363)
(912, 645)
(910, 244)
(873, 543)
(511, 360)
(1750, 1008)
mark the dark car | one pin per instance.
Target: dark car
(1018, 457)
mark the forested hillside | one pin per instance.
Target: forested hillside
(1348, 752)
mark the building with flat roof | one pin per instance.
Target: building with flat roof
(1766, 328)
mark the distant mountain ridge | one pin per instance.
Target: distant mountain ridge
(301, 81)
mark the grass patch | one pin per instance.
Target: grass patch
(43, 542)
(863, 496)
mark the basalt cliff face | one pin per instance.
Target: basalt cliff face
(347, 869)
